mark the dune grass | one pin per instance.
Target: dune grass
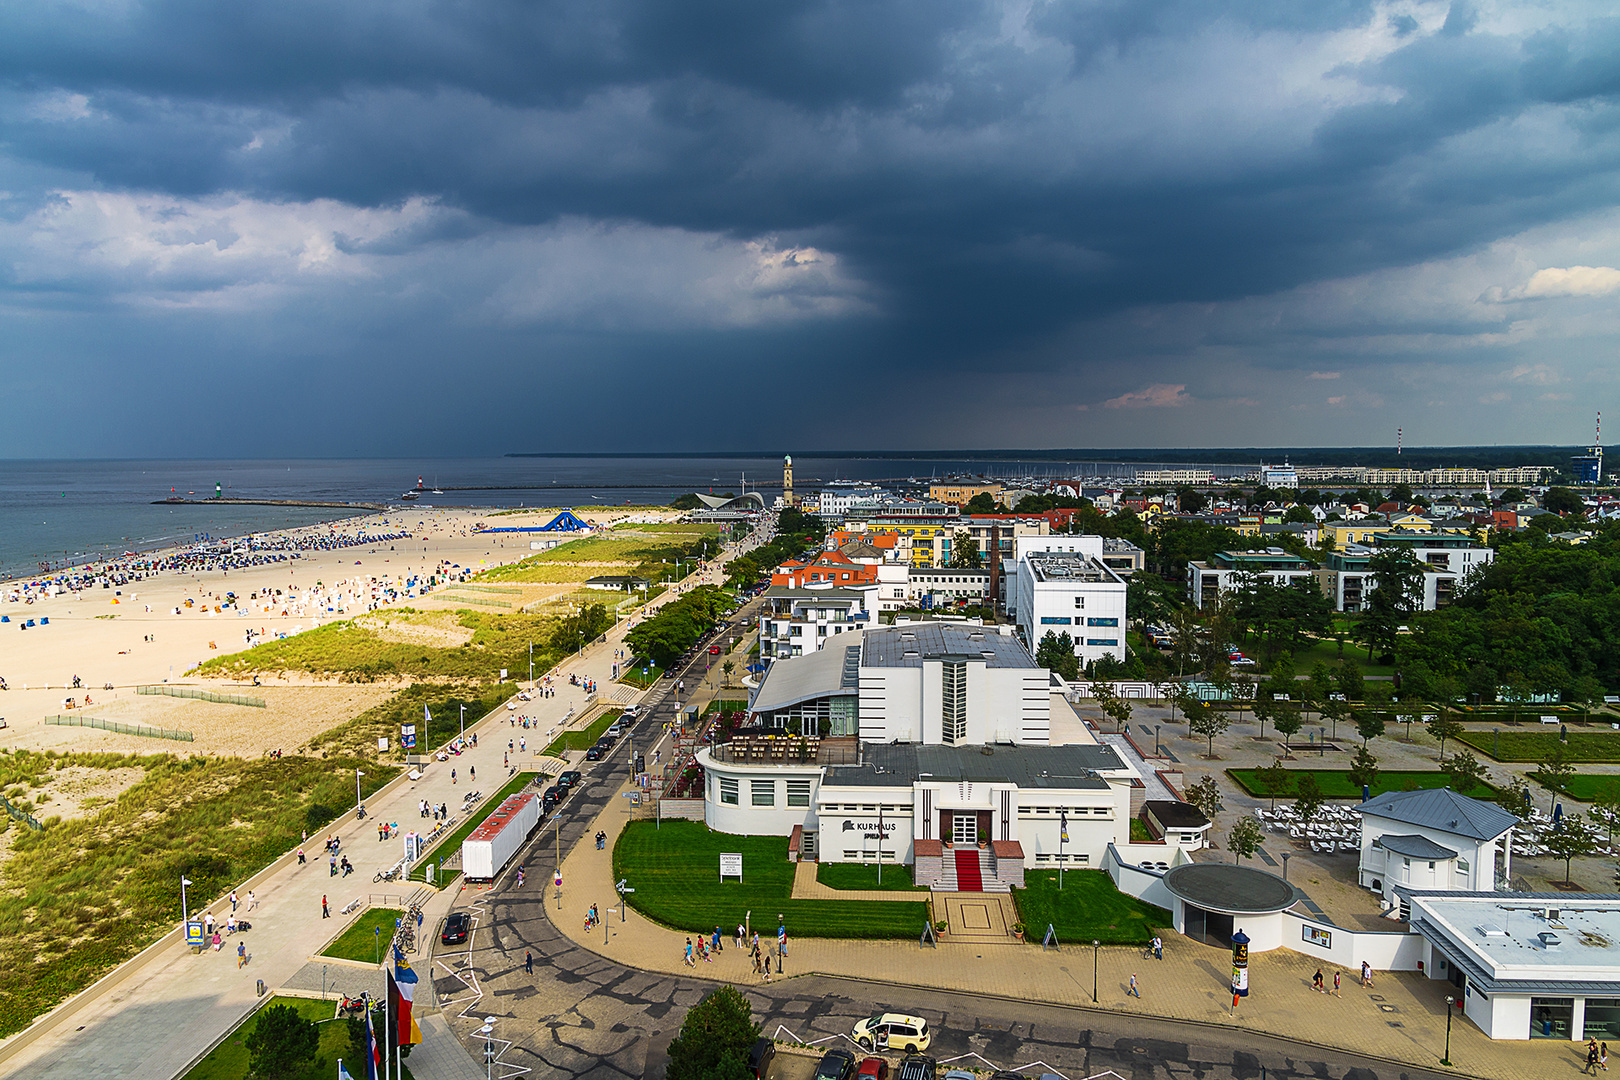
(675, 871)
(84, 895)
(443, 703)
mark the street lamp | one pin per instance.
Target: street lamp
(1449, 1002)
(1286, 856)
(488, 1032)
(1156, 750)
(463, 726)
(1095, 946)
(185, 909)
(359, 808)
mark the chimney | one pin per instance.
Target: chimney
(995, 565)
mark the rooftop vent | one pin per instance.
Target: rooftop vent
(1491, 930)
(1549, 940)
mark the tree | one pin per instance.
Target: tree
(1364, 768)
(1055, 653)
(1369, 725)
(1465, 771)
(726, 669)
(714, 1040)
(1245, 837)
(1606, 807)
(982, 503)
(1113, 706)
(1569, 839)
(1207, 722)
(1273, 780)
(1561, 500)
(1205, 795)
(1512, 496)
(1334, 710)
(1308, 798)
(1265, 710)
(964, 552)
(1444, 726)
(282, 1043)
(1554, 770)
(1288, 722)
(1322, 685)
(1515, 799)
(1349, 681)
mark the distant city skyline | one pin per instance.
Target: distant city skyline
(271, 230)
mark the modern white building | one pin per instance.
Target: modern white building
(1207, 580)
(1526, 965)
(1279, 476)
(796, 622)
(1061, 583)
(1433, 840)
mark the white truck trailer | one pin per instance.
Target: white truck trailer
(491, 846)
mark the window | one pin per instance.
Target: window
(798, 793)
(763, 791)
(728, 791)
(1462, 865)
(1104, 641)
(1102, 622)
(1055, 620)
(1080, 601)
(953, 700)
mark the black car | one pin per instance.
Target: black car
(917, 1067)
(595, 753)
(569, 780)
(456, 928)
(759, 1058)
(834, 1065)
(550, 798)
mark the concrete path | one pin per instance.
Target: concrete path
(154, 1016)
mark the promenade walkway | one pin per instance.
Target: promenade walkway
(157, 1014)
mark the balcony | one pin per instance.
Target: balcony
(783, 749)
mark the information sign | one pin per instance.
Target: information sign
(730, 865)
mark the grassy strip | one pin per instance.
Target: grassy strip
(864, 876)
(1336, 783)
(229, 1060)
(444, 703)
(85, 895)
(584, 740)
(1139, 832)
(1088, 908)
(475, 817)
(1589, 787)
(631, 675)
(675, 872)
(361, 941)
(1583, 746)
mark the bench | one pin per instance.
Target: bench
(1549, 719)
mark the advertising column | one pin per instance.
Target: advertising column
(1240, 967)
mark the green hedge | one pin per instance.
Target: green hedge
(1336, 783)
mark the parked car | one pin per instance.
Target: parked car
(456, 928)
(551, 797)
(917, 1067)
(759, 1058)
(630, 713)
(896, 1030)
(570, 780)
(959, 1074)
(595, 753)
(873, 1068)
(834, 1065)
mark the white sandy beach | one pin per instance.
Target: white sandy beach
(132, 636)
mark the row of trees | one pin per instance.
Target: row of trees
(678, 625)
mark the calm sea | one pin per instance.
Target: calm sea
(74, 511)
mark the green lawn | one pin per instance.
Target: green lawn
(675, 870)
(1139, 832)
(1089, 908)
(1326, 651)
(229, 1060)
(1588, 786)
(1336, 783)
(358, 942)
(584, 740)
(452, 842)
(865, 876)
(631, 675)
(1591, 746)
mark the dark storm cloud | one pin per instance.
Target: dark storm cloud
(977, 179)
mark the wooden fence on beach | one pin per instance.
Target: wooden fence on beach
(201, 695)
(122, 729)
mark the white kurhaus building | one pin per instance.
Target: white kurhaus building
(1436, 839)
(935, 753)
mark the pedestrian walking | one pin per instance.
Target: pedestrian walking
(233, 900)
(1158, 949)
(452, 776)
(1316, 981)
(528, 962)
(755, 956)
(241, 954)
(1591, 1058)
(253, 901)
(688, 958)
(333, 871)
(1336, 976)
(300, 856)
(1366, 975)
(326, 912)
(208, 920)
(1135, 990)
(716, 945)
(741, 934)
(1603, 1056)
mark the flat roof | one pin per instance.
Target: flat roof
(1238, 890)
(1498, 938)
(903, 764)
(910, 644)
(1065, 566)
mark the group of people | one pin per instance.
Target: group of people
(1597, 1057)
(1319, 984)
(386, 830)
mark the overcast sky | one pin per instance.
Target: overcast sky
(377, 227)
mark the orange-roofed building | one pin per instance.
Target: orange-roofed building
(827, 568)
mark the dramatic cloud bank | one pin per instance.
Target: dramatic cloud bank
(1020, 223)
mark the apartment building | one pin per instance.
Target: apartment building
(1061, 583)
